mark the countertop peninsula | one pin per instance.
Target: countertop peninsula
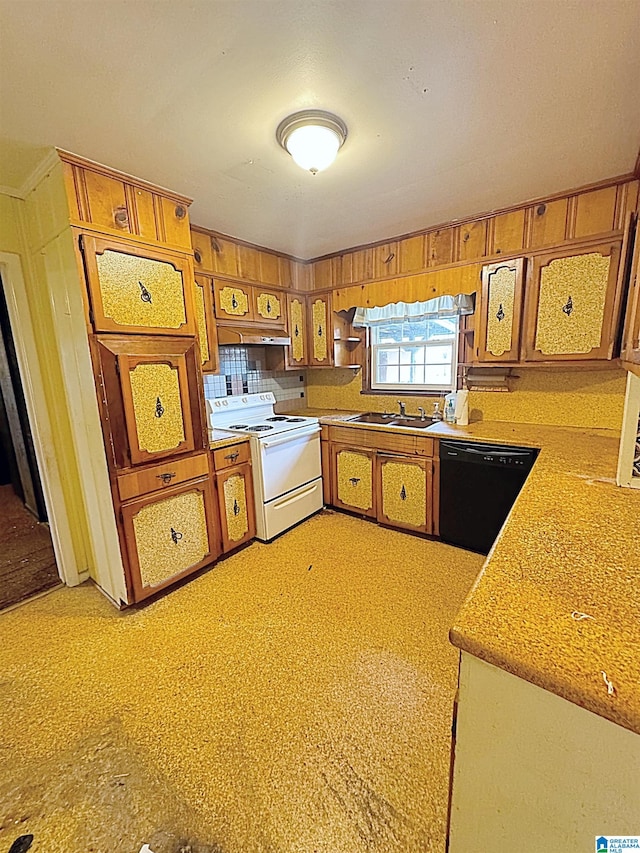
(557, 602)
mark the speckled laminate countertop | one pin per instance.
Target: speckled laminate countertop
(224, 438)
(571, 545)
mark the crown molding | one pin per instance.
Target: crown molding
(10, 191)
(41, 170)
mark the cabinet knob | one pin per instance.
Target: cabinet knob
(403, 493)
(175, 536)
(500, 314)
(232, 456)
(159, 408)
(236, 507)
(568, 306)
(354, 480)
(167, 477)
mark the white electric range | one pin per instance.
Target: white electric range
(285, 455)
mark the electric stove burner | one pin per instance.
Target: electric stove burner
(260, 427)
(278, 418)
(238, 426)
(295, 420)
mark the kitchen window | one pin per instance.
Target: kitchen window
(412, 347)
(414, 354)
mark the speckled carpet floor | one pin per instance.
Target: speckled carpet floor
(295, 699)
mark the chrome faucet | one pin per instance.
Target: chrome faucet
(423, 414)
(403, 413)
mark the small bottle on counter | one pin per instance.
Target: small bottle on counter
(450, 408)
(437, 414)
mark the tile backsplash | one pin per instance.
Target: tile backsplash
(243, 371)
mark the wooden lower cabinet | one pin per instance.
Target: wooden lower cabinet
(352, 474)
(403, 492)
(235, 502)
(169, 535)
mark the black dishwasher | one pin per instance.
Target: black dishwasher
(478, 486)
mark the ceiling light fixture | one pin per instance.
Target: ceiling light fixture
(312, 137)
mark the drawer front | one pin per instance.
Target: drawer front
(162, 476)
(136, 290)
(383, 440)
(168, 537)
(236, 454)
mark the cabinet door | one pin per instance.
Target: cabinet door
(269, 307)
(235, 501)
(168, 536)
(631, 339)
(234, 302)
(152, 398)
(321, 335)
(499, 313)
(206, 324)
(572, 305)
(297, 352)
(404, 492)
(135, 289)
(352, 479)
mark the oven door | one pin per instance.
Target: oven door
(287, 461)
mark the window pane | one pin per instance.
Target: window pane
(388, 373)
(438, 374)
(388, 356)
(412, 374)
(438, 354)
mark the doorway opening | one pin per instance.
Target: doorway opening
(27, 560)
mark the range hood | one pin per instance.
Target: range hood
(250, 335)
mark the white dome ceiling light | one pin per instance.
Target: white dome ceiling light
(312, 137)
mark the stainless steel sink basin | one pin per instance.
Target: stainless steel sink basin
(414, 423)
(391, 420)
(373, 418)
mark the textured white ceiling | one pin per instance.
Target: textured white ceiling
(454, 107)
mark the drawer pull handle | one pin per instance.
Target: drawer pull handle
(159, 408)
(297, 331)
(234, 301)
(232, 456)
(403, 493)
(167, 477)
(500, 315)
(144, 293)
(568, 306)
(354, 480)
(236, 507)
(319, 331)
(175, 536)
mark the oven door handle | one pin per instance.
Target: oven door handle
(292, 435)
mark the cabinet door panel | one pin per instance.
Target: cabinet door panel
(107, 202)
(138, 290)
(206, 324)
(572, 301)
(404, 492)
(441, 246)
(225, 256)
(298, 356)
(548, 223)
(175, 222)
(412, 254)
(169, 536)
(237, 511)
(352, 480)
(268, 307)
(233, 301)
(508, 233)
(152, 398)
(321, 332)
(595, 212)
(499, 312)
(202, 251)
(472, 240)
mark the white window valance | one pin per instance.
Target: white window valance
(433, 309)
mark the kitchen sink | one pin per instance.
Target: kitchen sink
(373, 418)
(414, 423)
(391, 420)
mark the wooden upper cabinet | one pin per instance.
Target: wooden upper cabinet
(499, 312)
(573, 304)
(327, 272)
(320, 331)
(206, 323)
(298, 355)
(631, 337)
(269, 307)
(412, 254)
(385, 260)
(202, 251)
(507, 233)
(138, 289)
(107, 200)
(440, 247)
(152, 397)
(404, 492)
(595, 212)
(234, 302)
(269, 269)
(362, 265)
(548, 223)
(169, 535)
(225, 256)
(248, 263)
